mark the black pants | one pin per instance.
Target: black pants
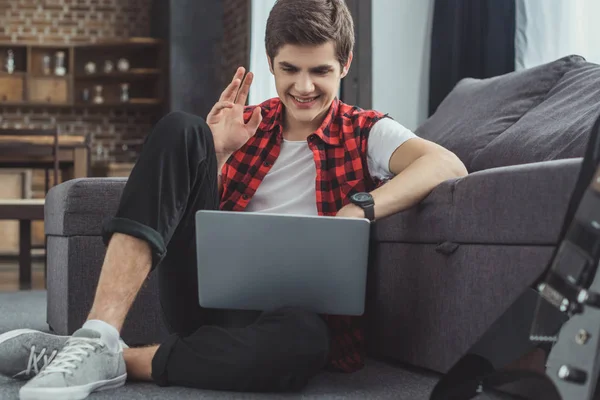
(176, 175)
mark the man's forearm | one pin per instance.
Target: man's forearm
(415, 182)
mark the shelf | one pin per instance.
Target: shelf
(133, 41)
(12, 103)
(135, 73)
(50, 76)
(32, 104)
(29, 87)
(134, 103)
(141, 101)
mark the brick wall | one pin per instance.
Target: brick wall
(236, 38)
(73, 20)
(116, 133)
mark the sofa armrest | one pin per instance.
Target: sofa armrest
(81, 206)
(519, 204)
(74, 214)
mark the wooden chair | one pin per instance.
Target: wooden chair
(16, 142)
(25, 211)
(42, 147)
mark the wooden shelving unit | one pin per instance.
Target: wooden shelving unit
(28, 85)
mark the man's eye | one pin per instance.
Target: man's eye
(322, 72)
(286, 69)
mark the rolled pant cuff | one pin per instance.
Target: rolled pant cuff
(137, 230)
(161, 359)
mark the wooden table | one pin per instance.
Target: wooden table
(73, 153)
(25, 211)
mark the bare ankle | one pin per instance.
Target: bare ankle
(139, 362)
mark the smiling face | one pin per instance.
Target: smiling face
(307, 79)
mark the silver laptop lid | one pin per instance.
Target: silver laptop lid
(258, 261)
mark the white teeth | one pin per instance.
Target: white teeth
(304, 101)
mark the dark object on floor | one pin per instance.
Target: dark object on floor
(559, 312)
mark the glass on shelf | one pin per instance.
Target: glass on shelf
(108, 66)
(90, 68)
(124, 92)
(98, 99)
(10, 61)
(59, 64)
(123, 65)
(46, 64)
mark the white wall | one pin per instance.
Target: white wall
(401, 45)
(551, 29)
(401, 37)
(263, 86)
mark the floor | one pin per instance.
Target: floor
(379, 380)
(9, 276)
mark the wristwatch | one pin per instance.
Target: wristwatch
(365, 201)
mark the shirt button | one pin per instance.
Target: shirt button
(267, 164)
(245, 197)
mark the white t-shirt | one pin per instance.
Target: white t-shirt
(289, 186)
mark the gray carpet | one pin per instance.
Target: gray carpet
(377, 381)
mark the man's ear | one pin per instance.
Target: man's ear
(347, 66)
(270, 64)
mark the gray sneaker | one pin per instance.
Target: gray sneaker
(84, 365)
(24, 352)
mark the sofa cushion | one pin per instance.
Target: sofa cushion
(476, 111)
(559, 127)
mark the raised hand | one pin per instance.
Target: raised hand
(226, 119)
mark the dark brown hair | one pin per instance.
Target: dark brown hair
(310, 22)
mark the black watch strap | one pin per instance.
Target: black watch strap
(369, 211)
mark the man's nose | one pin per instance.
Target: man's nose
(304, 85)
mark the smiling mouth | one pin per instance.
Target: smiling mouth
(304, 99)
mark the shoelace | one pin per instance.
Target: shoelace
(34, 362)
(72, 355)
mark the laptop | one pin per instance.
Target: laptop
(262, 261)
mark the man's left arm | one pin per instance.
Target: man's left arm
(419, 166)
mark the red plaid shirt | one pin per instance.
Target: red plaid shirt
(339, 147)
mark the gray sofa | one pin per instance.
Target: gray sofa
(440, 272)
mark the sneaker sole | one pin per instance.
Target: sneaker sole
(71, 393)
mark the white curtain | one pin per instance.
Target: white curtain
(263, 86)
(551, 29)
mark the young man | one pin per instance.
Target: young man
(303, 152)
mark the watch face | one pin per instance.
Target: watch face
(361, 197)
